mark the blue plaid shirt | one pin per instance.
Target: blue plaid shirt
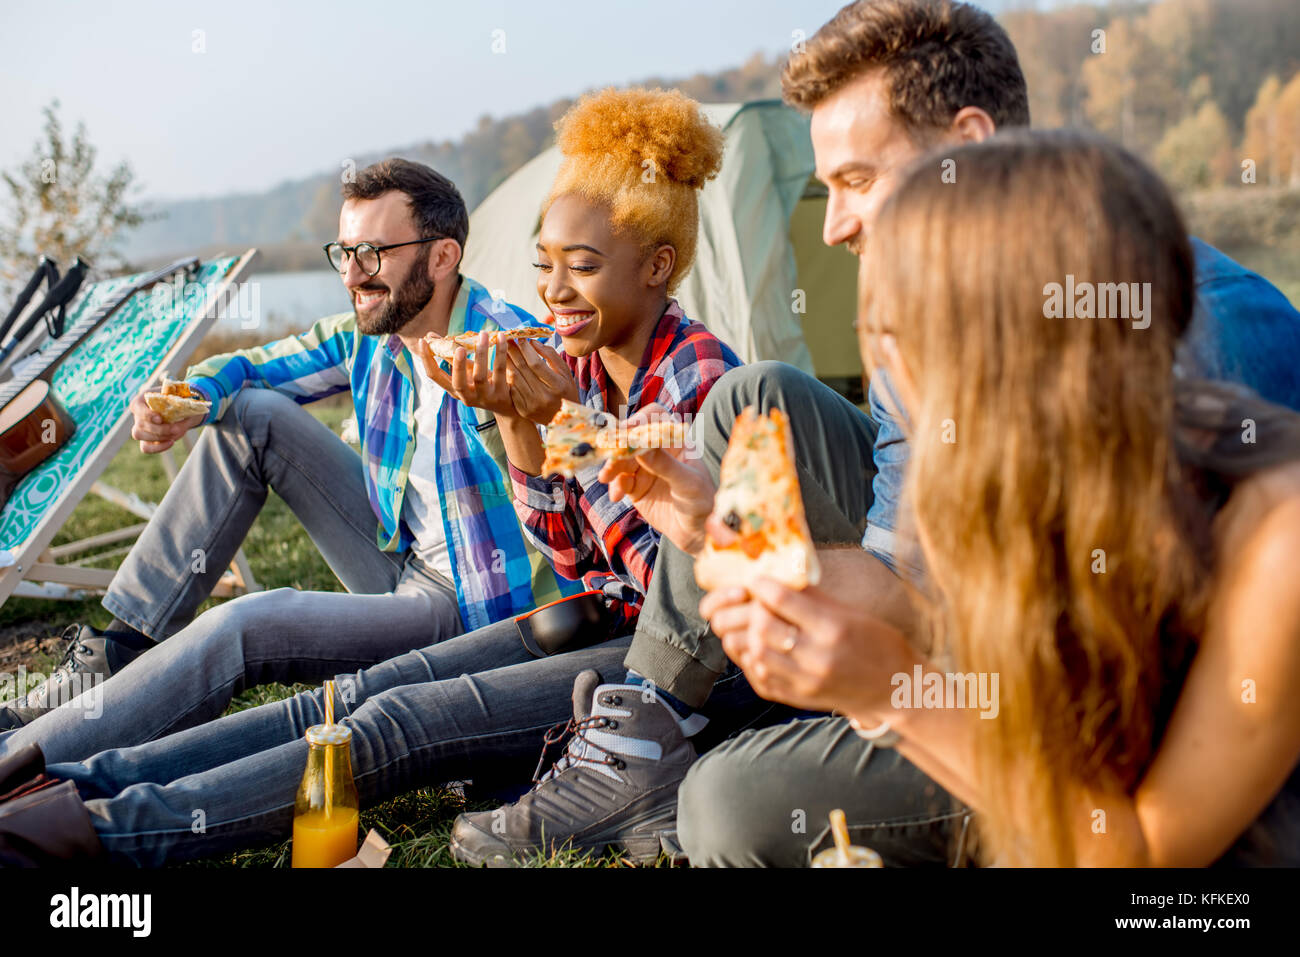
(497, 575)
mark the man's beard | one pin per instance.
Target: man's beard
(404, 303)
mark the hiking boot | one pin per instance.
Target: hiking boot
(90, 658)
(615, 785)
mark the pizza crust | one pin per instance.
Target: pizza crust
(175, 401)
(659, 434)
(444, 347)
(578, 437)
(794, 565)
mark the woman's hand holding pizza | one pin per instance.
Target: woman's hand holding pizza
(474, 380)
(809, 649)
(539, 380)
(672, 491)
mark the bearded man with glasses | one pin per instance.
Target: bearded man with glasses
(419, 527)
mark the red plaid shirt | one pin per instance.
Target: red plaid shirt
(573, 522)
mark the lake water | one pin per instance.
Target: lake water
(283, 303)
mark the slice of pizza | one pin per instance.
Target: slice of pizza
(444, 347)
(176, 400)
(664, 433)
(758, 499)
(573, 439)
(579, 436)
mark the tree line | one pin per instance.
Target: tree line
(1207, 90)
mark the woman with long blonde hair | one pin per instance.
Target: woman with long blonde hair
(1109, 547)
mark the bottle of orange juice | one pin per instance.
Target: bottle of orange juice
(325, 813)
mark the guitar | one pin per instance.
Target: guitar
(33, 422)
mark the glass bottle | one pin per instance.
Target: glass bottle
(326, 810)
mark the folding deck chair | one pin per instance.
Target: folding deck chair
(96, 383)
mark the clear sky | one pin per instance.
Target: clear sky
(285, 89)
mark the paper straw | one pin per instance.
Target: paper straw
(840, 829)
(329, 749)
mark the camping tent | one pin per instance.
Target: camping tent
(763, 281)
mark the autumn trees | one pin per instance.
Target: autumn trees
(1209, 90)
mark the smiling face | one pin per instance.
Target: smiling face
(403, 287)
(602, 288)
(861, 150)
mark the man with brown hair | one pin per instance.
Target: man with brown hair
(886, 82)
(418, 527)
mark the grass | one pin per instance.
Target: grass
(417, 824)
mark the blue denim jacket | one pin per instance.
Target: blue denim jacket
(1243, 330)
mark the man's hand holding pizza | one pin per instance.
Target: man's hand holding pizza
(152, 431)
(670, 488)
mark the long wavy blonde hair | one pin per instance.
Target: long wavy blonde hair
(1062, 551)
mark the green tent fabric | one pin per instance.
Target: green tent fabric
(760, 235)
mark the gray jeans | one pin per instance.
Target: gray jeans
(763, 798)
(266, 441)
(475, 706)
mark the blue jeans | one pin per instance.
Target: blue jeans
(265, 441)
(445, 712)
(473, 706)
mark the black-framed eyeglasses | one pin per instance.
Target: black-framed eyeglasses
(367, 254)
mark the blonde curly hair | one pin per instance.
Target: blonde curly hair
(642, 154)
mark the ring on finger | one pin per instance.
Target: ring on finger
(791, 639)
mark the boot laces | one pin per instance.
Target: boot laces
(67, 664)
(575, 753)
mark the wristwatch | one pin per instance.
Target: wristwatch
(882, 736)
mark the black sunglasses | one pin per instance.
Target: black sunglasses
(367, 253)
